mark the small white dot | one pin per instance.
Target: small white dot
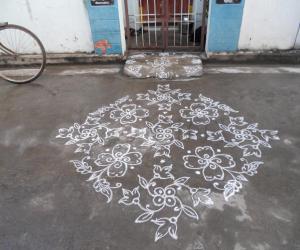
(107, 149)
(140, 119)
(139, 106)
(218, 150)
(131, 167)
(134, 148)
(125, 132)
(186, 107)
(197, 172)
(213, 119)
(162, 161)
(130, 100)
(188, 120)
(202, 135)
(196, 100)
(179, 188)
(189, 151)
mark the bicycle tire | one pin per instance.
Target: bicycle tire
(43, 52)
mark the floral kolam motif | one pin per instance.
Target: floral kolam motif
(166, 152)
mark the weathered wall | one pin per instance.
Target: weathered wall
(224, 26)
(62, 25)
(269, 24)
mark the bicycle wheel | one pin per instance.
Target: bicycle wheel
(22, 55)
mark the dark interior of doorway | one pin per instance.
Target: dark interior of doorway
(166, 25)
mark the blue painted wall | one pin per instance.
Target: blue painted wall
(104, 21)
(224, 26)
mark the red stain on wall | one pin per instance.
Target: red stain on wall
(103, 45)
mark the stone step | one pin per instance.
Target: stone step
(163, 65)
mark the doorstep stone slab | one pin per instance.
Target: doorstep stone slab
(163, 65)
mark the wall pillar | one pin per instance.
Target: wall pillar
(224, 26)
(105, 27)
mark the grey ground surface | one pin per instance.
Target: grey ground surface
(45, 204)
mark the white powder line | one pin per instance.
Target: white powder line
(207, 70)
(96, 71)
(251, 70)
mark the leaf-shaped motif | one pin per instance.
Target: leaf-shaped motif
(251, 150)
(163, 172)
(239, 121)
(201, 195)
(222, 126)
(130, 197)
(144, 217)
(82, 167)
(251, 168)
(241, 177)
(143, 182)
(269, 135)
(181, 180)
(65, 132)
(231, 188)
(215, 136)
(165, 119)
(252, 126)
(149, 124)
(189, 134)
(83, 147)
(226, 109)
(190, 212)
(162, 151)
(179, 144)
(103, 187)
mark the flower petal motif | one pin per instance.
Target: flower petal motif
(200, 120)
(211, 164)
(141, 113)
(205, 152)
(226, 161)
(128, 113)
(117, 169)
(134, 158)
(211, 112)
(197, 106)
(187, 113)
(128, 118)
(130, 196)
(104, 159)
(192, 162)
(120, 150)
(213, 172)
(128, 107)
(116, 114)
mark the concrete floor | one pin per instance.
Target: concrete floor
(45, 204)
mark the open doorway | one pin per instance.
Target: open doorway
(166, 24)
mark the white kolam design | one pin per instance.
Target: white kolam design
(166, 152)
(163, 65)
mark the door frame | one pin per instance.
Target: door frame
(125, 33)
